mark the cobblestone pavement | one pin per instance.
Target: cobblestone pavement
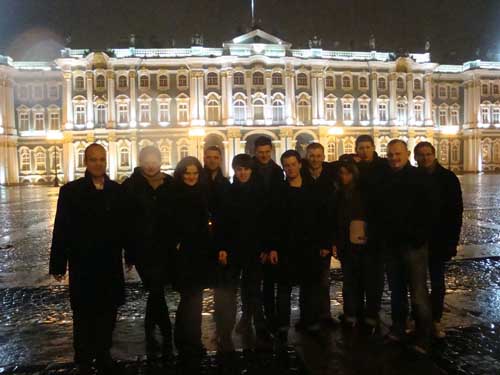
(35, 319)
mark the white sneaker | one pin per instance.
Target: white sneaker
(438, 331)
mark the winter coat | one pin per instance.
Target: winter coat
(325, 182)
(149, 215)
(446, 195)
(302, 230)
(193, 252)
(90, 233)
(404, 209)
(216, 190)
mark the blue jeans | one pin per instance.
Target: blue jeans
(407, 270)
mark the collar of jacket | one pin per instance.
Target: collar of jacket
(403, 170)
(218, 176)
(90, 183)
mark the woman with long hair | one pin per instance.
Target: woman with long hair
(193, 257)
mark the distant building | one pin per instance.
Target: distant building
(184, 99)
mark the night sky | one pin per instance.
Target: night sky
(36, 29)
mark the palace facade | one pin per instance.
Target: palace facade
(184, 99)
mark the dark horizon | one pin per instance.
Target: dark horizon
(456, 29)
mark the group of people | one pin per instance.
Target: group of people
(270, 229)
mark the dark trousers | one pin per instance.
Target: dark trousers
(363, 284)
(407, 269)
(187, 333)
(269, 291)
(157, 314)
(324, 289)
(251, 293)
(437, 268)
(93, 334)
(309, 303)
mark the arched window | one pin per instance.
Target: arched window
(182, 81)
(486, 150)
(382, 83)
(455, 152)
(240, 111)
(213, 113)
(400, 83)
(348, 146)
(163, 112)
(212, 79)
(303, 111)
(484, 89)
(443, 151)
(124, 157)
(80, 115)
(301, 79)
(278, 111)
(25, 160)
(100, 115)
(183, 151)
(417, 84)
(258, 109)
(258, 79)
(145, 113)
(329, 82)
(40, 161)
(79, 83)
(163, 81)
(123, 113)
(144, 82)
(346, 82)
(80, 160)
(165, 155)
(239, 78)
(330, 110)
(122, 82)
(182, 112)
(363, 83)
(401, 112)
(496, 151)
(277, 79)
(100, 82)
(332, 151)
(24, 120)
(39, 120)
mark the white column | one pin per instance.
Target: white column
(428, 99)
(9, 116)
(374, 101)
(193, 96)
(392, 99)
(133, 99)
(90, 99)
(223, 100)
(314, 101)
(112, 156)
(409, 87)
(268, 113)
(290, 96)
(68, 101)
(3, 105)
(477, 103)
(68, 158)
(321, 97)
(111, 100)
(248, 84)
(134, 150)
(466, 104)
(234, 143)
(201, 98)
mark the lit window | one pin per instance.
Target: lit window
(39, 121)
(80, 161)
(258, 109)
(212, 79)
(144, 113)
(239, 78)
(348, 147)
(40, 161)
(485, 115)
(419, 112)
(332, 151)
(24, 121)
(277, 79)
(54, 121)
(443, 117)
(124, 157)
(213, 111)
(363, 112)
(454, 118)
(100, 115)
(347, 111)
(303, 111)
(123, 113)
(496, 116)
(165, 155)
(80, 118)
(382, 112)
(278, 111)
(330, 111)
(182, 115)
(164, 112)
(239, 112)
(25, 161)
(401, 113)
(183, 151)
(122, 82)
(258, 79)
(302, 79)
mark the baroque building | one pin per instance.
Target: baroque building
(184, 99)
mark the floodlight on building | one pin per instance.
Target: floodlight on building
(449, 129)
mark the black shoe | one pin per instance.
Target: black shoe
(244, 326)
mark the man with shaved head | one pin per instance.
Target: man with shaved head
(88, 239)
(404, 224)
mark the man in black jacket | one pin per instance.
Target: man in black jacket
(321, 176)
(89, 233)
(242, 240)
(268, 178)
(404, 202)
(446, 225)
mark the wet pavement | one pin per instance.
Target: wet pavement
(35, 318)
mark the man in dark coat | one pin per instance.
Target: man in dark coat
(321, 176)
(242, 238)
(147, 191)
(448, 208)
(403, 218)
(88, 239)
(303, 240)
(269, 177)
